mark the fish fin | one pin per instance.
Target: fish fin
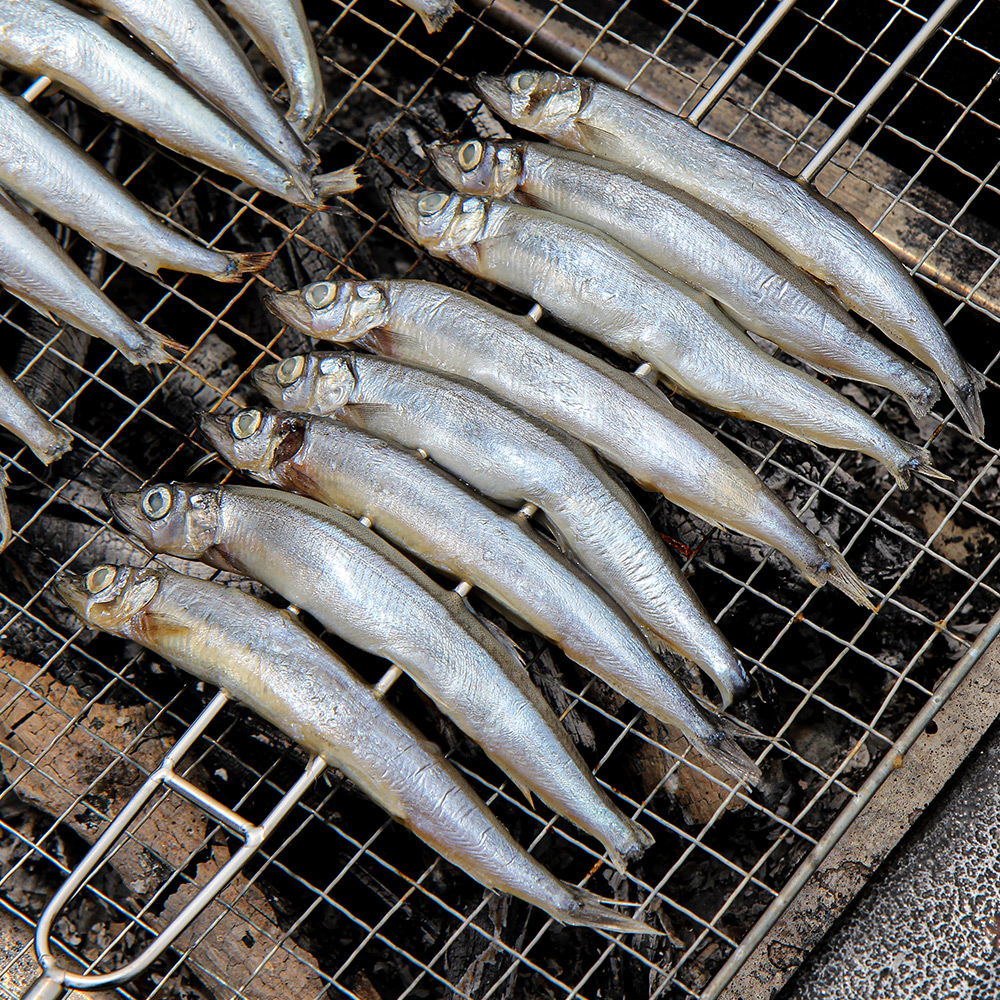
(358, 414)
(242, 264)
(965, 397)
(586, 909)
(152, 350)
(641, 838)
(6, 528)
(834, 569)
(917, 461)
(336, 182)
(602, 142)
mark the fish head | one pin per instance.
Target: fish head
(322, 382)
(438, 221)
(179, 519)
(109, 597)
(478, 166)
(252, 439)
(340, 311)
(543, 102)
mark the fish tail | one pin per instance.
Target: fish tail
(964, 394)
(720, 748)
(434, 20)
(585, 909)
(337, 182)
(242, 264)
(834, 569)
(636, 842)
(920, 391)
(151, 349)
(916, 461)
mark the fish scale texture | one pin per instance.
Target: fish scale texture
(929, 925)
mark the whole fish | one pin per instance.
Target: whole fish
(266, 659)
(39, 272)
(44, 167)
(811, 231)
(106, 72)
(189, 36)
(513, 457)
(358, 586)
(694, 242)
(625, 419)
(424, 511)
(21, 417)
(600, 288)
(280, 30)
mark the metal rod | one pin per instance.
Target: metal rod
(55, 980)
(744, 56)
(850, 812)
(36, 89)
(825, 153)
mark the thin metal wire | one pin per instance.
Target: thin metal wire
(746, 884)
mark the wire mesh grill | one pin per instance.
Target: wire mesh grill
(352, 905)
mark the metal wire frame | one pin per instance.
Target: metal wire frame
(798, 829)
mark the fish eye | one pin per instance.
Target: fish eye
(157, 502)
(290, 369)
(246, 423)
(470, 154)
(320, 294)
(432, 202)
(523, 81)
(100, 578)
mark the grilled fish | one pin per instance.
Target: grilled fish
(279, 29)
(39, 272)
(811, 231)
(114, 77)
(513, 457)
(599, 287)
(43, 166)
(189, 36)
(358, 586)
(425, 512)
(271, 663)
(694, 242)
(22, 418)
(625, 419)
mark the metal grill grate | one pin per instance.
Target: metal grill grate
(377, 916)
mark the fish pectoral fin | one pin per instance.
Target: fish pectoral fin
(609, 145)
(359, 414)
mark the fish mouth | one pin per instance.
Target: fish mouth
(444, 160)
(290, 308)
(73, 595)
(493, 90)
(404, 207)
(266, 382)
(125, 508)
(215, 427)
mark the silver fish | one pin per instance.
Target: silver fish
(6, 528)
(599, 287)
(21, 417)
(43, 166)
(271, 663)
(113, 76)
(625, 419)
(280, 30)
(39, 272)
(360, 587)
(811, 231)
(189, 36)
(427, 513)
(510, 456)
(694, 242)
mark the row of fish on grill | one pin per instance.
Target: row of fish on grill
(194, 91)
(635, 250)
